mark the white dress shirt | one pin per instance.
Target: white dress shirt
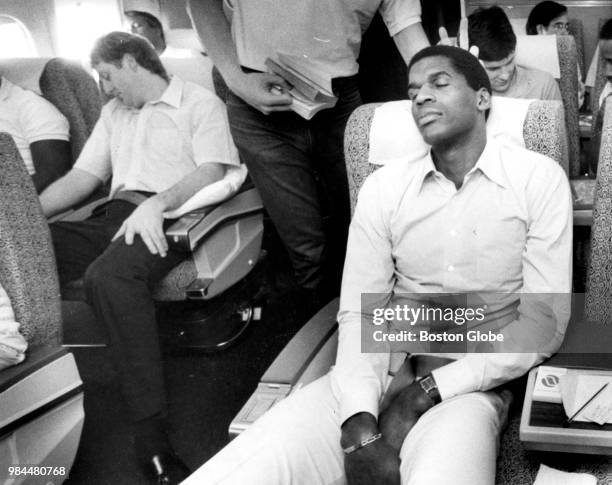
(508, 230)
(152, 148)
(29, 118)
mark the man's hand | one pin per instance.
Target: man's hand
(375, 463)
(147, 221)
(400, 416)
(263, 91)
(462, 38)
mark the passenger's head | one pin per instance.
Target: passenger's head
(123, 61)
(147, 25)
(548, 18)
(450, 93)
(605, 47)
(490, 30)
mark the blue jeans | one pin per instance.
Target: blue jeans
(298, 168)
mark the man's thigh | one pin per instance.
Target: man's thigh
(456, 442)
(297, 442)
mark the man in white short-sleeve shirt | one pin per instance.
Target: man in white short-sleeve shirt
(159, 141)
(298, 164)
(40, 131)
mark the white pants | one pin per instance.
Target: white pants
(298, 442)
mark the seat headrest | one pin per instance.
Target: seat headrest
(197, 70)
(538, 52)
(24, 72)
(185, 39)
(394, 134)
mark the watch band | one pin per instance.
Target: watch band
(428, 384)
(361, 444)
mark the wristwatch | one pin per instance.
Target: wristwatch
(428, 384)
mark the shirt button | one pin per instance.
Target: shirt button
(453, 233)
(451, 268)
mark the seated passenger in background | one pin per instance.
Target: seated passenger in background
(40, 131)
(550, 18)
(490, 30)
(471, 216)
(143, 19)
(12, 343)
(160, 141)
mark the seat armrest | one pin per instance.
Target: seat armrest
(186, 233)
(295, 358)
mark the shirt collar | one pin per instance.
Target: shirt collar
(173, 94)
(4, 88)
(489, 163)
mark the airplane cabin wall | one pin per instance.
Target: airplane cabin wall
(39, 17)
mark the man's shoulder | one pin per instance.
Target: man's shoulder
(524, 166)
(536, 76)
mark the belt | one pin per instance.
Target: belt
(135, 197)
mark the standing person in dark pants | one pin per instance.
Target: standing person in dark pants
(286, 154)
(160, 141)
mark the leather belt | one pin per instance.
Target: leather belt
(133, 196)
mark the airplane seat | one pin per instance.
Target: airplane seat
(312, 351)
(41, 416)
(558, 56)
(207, 301)
(75, 93)
(598, 303)
(184, 39)
(66, 85)
(197, 70)
(576, 30)
(599, 80)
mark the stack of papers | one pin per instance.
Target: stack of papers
(578, 388)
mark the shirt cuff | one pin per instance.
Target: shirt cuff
(354, 403)
(455, 378)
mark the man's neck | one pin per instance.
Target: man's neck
(458, 157)
(153, 87)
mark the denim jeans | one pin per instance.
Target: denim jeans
(298, 168)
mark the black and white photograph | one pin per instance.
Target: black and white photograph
(305, 242)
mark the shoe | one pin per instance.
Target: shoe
(167, 469)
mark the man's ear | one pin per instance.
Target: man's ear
(129, 61)
(483, 99)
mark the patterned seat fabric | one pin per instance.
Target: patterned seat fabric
(568, 84)
(598, 305)
(576, 30)
(27, 263)
(75, 93)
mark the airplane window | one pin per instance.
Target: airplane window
(15, 39)
(81, 22)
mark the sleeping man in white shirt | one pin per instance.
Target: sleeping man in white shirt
(473, 216)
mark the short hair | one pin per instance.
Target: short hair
(112, 47)
(543, 14)
(489, 29)
(462, 61)
(152, 20)
(606, 31)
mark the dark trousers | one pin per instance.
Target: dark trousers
(298, 168)
(118, 281)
